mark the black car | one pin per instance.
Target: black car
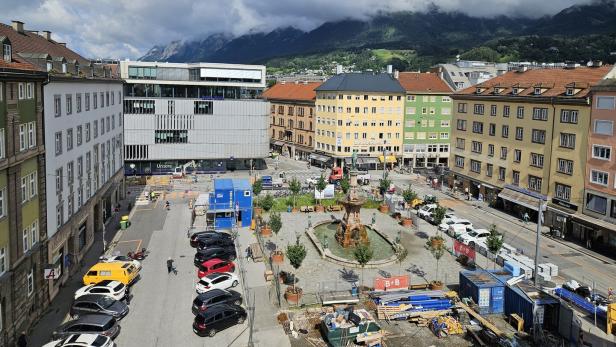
(206, 235)
(224, 253)
(98, 303)
(101, 324)
(214, 242)
(218, 318)
(214, 297)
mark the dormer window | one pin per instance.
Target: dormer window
(64, 67)
(77, 68)
(569, 92)
(478, 91)
(537, 91)
(515, 91)
(7, 52)
(49, 65)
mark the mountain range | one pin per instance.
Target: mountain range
(434, 33)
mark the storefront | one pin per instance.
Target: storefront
(520, 202)
(593, 233)
(362, 163)
(320, 160)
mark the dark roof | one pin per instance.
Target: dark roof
(362, 82)
(426, 82)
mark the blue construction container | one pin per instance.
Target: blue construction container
(242, 196)
(223, 195)
(486, 289)
(533, 305)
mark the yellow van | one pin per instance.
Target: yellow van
(124, 272)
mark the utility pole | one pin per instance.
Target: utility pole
(103, 225)
(384, 159)
(539, 218)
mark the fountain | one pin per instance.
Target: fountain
(351, 232)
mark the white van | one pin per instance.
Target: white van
(457, 230)
(444, 226)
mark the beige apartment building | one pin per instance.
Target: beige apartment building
(360, 112)
(521, 138)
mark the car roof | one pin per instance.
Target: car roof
(213, 261)
(91, 298)
(111, 265)
(217, 274)
(218, 308)
(212, 293)
(98, 319)
(106, 283)
(86, 339)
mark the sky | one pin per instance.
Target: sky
(129, 28)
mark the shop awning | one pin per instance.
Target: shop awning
(361, 160)
(520, 198)
(593, 222)
(390, 159)
(278, 143)
(319, 157)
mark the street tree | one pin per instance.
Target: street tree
(321, 185)
(436, 246)
(401, 254)
(257, 188)
(363, 254)
(345, 185)
(275, 222)
(296, 254)
(439, 214)
(384, 185)
(409, 196)
(295, 186)
(494, 241)
(267, 203)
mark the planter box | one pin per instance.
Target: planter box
(277, 258)
(384, 209)
(320, 208)
(407, 222)
(266, 231)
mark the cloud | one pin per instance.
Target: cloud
(128, 28)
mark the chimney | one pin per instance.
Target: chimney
(47, 35)
(396, 74)
(390, 69)
(62, 44)
(18, 26)
(283, 82)
(338, 69)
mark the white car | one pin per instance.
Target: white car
(444, 226)
(120, 258)
(474, 236)
(82, 340)
(112, 289)
(312, 181)
(426, 211)
(218, 280)
(457, 230)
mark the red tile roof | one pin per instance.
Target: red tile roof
(292, 91)
(426, 82)
(18, 65)
(554, 82)
(28, 42)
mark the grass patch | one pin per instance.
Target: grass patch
(282, 204)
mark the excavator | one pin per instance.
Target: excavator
(180, 171)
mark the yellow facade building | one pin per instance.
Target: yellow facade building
(521, 138)
(360, 112)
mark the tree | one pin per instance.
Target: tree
(409, 195)
(439, 214)
(494, 241)
(275, 222)
(296, 254)
(321, 184)
(345, 185)
(257, 187)
(295, 186)
(401, 253)
(436, 246)
(384, 184)
(363, 254)
(267, 203)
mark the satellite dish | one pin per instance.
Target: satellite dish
(589, 64)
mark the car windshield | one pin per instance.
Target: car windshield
(472, 233)
(100, 341)
(106, 301)
(118, 287)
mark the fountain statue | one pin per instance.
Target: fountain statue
(351, 232)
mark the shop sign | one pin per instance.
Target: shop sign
(565, 204)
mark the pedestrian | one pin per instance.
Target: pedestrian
(22, 341)
(127, 295)
(169, 265)
(526, 217)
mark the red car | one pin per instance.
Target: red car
(215, 265)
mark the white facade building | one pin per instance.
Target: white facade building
(83, 161)
(210, 113)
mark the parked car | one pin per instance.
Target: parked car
(215, 297)
(218, 318)
(226, 253)
(215, 242)
(219, 280)
(213, 266)
(98, 303)
(123, 272)
(113, 289)
(426, 210)
(120, 258)
(363, 178)
(312, 181)
(457, 230)
(447, 221)
(82, 340)
(89, 324)
(196, 237)
(474, 236)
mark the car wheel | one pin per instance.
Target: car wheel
(211, 333)
(241, 320)
(237, 302)
(235, 283)
(233, 269)
(472, 244)
(232, 257)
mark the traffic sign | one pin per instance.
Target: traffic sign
(52, 274)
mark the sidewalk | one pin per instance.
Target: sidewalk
(57, 312)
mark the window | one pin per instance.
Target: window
(478, 109)
(475, 166)
(506, 111)
(22, 91)
(569, 91)
(536, 160)
(461, 124)
(25, 235)
(534, 183)
(59, 183)
(540, 113)
(478, 127)
(69, 104)
(444, 136)
(501, 173)
(108, 125)
(171, 136)
(519, 133)
(605, 103)
(459, 161)
(505, 131)
(2, 203)
(444, 124)
(33, 184)
(3, 267)
(31, 134)
(460, 143)
(520, 112)
(87, 132)
(565, 166)
(24, 189)
(516, 177)
(538, 136)
(492, 129)
(490, 150)
(517, 155)
(205, 107)
(563, 192)
(102, 125)
(57, 105)
(445, 111)
(78, 102)
(489, 170)
(30, 90)
(569, 116)
(462, 107)
(79, 135)
(58, 137)
(567, 140)
(70, 172)
(408, 97)
(503, 153)
(476, 146)
(601, 152)
(7, 56)
(69, 139)
(603, 127)
(95, 100)
(34, 232)
(95, 130)
(2, 146)
(493, 110)
(599, 177)
(87, 101)
(596, 203)
(30, 280)
(22, 137)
